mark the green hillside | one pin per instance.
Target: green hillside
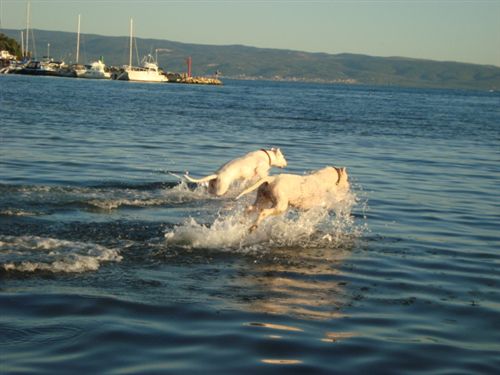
(236, 61)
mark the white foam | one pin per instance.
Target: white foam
(180, 193)
(328, 226)
(32, 253)
(111, 204)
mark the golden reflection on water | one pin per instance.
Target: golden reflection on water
(302, 283)
(305, 283)
(276, 326)
(281, 361)
(337, 336)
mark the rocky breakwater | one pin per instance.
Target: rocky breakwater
(183, 78)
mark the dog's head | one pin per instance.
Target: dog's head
(279, 158)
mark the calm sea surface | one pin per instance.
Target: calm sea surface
(109, 264)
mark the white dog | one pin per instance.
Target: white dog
(277, 193)
(253, 165)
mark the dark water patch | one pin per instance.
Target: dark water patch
(101, 232)
(42, 335)
(156, 185)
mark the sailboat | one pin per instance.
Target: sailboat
(32, 66)
(76, 69)
(148, 72)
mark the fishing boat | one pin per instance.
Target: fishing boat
(148, 72)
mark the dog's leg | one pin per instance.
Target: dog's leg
(251, 208)
(263, 199)
(222, 186)
(278, 209)
(261, 172)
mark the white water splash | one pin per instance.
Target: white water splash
(32, 253)
(328, 226)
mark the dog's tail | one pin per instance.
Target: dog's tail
(200, 180)
(255, 186)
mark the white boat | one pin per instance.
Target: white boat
(96, 70)
(148, 72)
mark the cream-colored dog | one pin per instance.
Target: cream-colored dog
(276, 193)
(253, 165)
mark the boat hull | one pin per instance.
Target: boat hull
(142, 76)
(96, 75)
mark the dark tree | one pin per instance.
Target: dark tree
(10, 45)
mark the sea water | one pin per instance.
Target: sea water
(111, 264)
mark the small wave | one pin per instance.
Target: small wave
(112, 204)
(32, 253)
(329, 227)
(17, 212)
(180, 193)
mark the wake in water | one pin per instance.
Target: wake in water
(328, 226)
(177, 194)
(208, 226)
(37, 200)
(33, 253)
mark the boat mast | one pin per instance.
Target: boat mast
(22, 44)
(27, 26)
(130, 53)
(78, 41)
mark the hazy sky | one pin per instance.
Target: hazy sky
(466, 31)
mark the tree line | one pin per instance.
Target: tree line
(11, 45)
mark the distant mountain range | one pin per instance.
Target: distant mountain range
(242, 62)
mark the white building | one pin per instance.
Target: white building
(5, 55)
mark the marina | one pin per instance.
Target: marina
(148, 72)
(26, 62)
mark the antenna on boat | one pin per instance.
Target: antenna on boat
(159, 50)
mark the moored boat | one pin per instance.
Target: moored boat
(96, 70)
(41, 68)
(148, 72)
